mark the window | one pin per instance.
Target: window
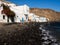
(17, 16)
(3, 16)
(26, 15)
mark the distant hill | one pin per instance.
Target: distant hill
(51, 14)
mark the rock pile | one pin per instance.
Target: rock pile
(46, 38)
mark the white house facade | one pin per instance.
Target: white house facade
(21, 14)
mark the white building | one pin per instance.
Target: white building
(31, 17)
(21, 14)
(36, 18)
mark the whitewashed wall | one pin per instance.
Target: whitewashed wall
(43, 19)
(20, 12)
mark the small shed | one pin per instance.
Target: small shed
(43, 19)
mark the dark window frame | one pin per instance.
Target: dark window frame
(26, 15)
(3, 16)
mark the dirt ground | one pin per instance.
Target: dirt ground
(20, 34)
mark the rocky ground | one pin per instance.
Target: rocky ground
(25, 34)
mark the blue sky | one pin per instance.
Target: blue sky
(51, 4)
